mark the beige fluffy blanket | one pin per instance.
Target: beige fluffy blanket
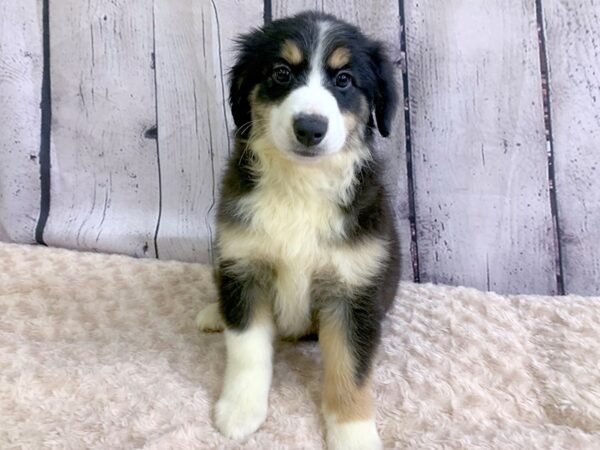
(101, 352)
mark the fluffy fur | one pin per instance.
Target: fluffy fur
(305, 239)
(102, 352)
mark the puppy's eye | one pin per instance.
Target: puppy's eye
(282, 74)
(343, 80)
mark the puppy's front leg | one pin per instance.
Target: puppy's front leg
(242, 407)
(348, 344)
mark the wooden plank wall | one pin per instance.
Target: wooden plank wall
(21, 62)
(573, 49)
(104, 173)
(493, 163)
(480, 164)
(195, 125)
(134, 167)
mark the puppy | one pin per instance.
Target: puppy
(305, 237)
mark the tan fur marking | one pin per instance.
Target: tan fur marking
(260, 111)
(364, 108)
(342, 398)
(291, 53)
(355, 122)
(350, 122)
(339, 58)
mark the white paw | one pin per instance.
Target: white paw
(239, 417)
(210, 319)
(359, 435)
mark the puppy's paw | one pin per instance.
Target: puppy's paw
(237, 418)
(359, 435)
(210, 319)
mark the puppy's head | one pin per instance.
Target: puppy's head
(308, 83)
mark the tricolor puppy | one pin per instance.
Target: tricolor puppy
(305, 241)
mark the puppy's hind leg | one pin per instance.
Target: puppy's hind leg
(348, 336)
(210, 319)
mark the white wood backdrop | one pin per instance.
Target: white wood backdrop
(480, 162)
(21, 63)
(141, 129)
(573, 37)
(104, 174)
(194, 41)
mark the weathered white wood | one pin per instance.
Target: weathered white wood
(283, 8)
(479, 149)
(21, 62)
(194, 51)
(379, 19)
(480, 163)
(573, 49)
(104, 174)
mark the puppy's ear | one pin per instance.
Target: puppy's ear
(244, 75)
(386, 93)
(239, 92)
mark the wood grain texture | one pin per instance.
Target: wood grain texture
(194, 51)
(480, 161)
(105, 193)
(573, 50)
(21, 62)
(379, 19)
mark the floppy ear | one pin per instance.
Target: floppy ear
(239, 92)
(243, 76)
(386, 94)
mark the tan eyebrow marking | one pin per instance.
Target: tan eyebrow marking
(291, 53)
(339, 58)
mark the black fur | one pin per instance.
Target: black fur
(241, 292)
(237, 182)
(386, 94)
(367, 214)
(234, 295)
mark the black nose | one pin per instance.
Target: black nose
(310, 129)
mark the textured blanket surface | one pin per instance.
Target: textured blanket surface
(102, 352)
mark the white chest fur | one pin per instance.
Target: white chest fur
(296, 224)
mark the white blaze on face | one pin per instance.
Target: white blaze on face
(311, 99)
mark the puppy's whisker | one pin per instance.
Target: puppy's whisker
(244, 127)
(248, 144)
